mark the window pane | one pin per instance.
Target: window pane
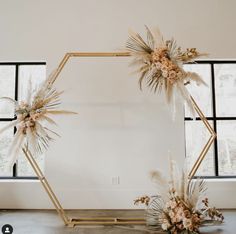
(226, 135)
(25, 169)
(225, 83)
(30, 77)
(7, 89)
(34, 74)
(5, 141)
(202, 94)
(196, 137)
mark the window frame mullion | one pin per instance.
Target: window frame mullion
(213, 90)
(16, 98)
(214, 118)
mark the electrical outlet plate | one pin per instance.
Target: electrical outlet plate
(115, 180)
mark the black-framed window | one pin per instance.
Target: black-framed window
(16, 79)
(217, 101)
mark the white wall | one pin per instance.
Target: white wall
(119, 130)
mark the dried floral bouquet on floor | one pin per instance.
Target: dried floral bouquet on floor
(160, 64)
(31, 116)
(180, 206)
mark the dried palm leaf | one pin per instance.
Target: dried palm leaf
(182, 208)
(31, 116)
(154, 213)
(160, 64)
(196, 192)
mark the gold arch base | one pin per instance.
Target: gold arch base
(71, 222)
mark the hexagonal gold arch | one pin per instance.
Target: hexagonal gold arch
(71, 222)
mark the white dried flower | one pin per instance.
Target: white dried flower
(165, 73)
(172, 74)
(187, 223)
(158, 65)
(165, 225)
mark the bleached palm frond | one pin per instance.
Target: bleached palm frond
(47, 119)
(160, 64)
(158, 38)
(193, 76)
(186, 97)
(43, 137)
(51, 131)
(196, 191)
(150, 39)
(154, 212)
(183, 186)
(169, 91)
(173, 49)
(31, 141)
(178, 180)
(183, 208)
(136, 44)
(31, 116)
(139, 62)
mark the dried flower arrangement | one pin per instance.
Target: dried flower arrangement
(160, 64)
(180, 206)
(30, 118)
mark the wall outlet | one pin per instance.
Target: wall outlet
(115, 180)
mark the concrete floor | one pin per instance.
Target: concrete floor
(47, 222)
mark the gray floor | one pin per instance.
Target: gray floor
(47, 222)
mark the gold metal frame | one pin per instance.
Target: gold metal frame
(71, 222)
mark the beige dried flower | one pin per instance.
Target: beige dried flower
(142, 200)
(160, 64)
(31, 117)
(178, 210)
